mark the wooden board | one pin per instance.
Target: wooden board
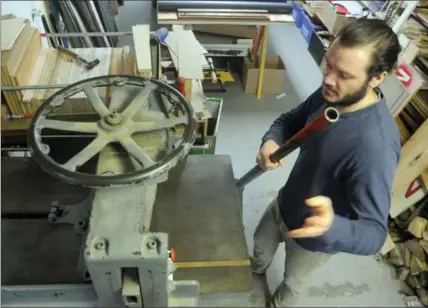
(54, 67)
(121, 61)
(414, 159)
(405, 197)
(17, 70)
(172, 18)
(141, 35)
(10, 30)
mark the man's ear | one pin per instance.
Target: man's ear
(377, 80)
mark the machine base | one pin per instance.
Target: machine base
(198, 207)
(74, 295)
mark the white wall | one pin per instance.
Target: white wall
(18, 8)
(25, 9)
(301, 69)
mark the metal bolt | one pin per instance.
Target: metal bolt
(45, 148)
(114, 118)
(151, 244)
(99, 246)
(120, 83)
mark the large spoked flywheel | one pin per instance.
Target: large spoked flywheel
(128, 118)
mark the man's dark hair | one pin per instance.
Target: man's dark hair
(376, 35)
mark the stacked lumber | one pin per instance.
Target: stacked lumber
(413, 115)
(416, 29)
(53, 67)
(409, 257)
(21, 46)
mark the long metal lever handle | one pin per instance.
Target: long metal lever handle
(330, 115)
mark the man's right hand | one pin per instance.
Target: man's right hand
(263, 157)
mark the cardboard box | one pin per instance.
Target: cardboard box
(331, 20)
(273, 78)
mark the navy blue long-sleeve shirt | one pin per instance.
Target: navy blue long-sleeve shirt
(352, 162)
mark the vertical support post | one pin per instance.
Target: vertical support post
(411, 6)
(262, 62)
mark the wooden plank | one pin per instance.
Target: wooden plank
(387, 246)
(414, 158)
(424, 180)
(172, 18)
(10, 31)
(17, 70)
(228, 263)
(404, 133)
(141, 35)
(408, 195)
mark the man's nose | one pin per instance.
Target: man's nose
(330, 79)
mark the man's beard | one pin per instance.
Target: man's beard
(350, 99)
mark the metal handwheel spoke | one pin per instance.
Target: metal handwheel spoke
(140, 127)
(130, 112)
(87, 153)
(96, 101)
(136, 152)
(138, 101)
(79, 127)
(119, 97)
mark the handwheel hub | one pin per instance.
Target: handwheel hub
(114, 119)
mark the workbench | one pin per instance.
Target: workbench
(198, 207)
(171, 18)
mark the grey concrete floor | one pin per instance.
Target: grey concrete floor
(346, 280)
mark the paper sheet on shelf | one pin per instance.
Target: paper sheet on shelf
(192, 60)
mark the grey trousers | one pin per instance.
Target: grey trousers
(299, 263)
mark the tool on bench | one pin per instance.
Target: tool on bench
(330, 115)
(19, 117)
(89, 64)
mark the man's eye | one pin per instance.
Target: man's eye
(343, 75)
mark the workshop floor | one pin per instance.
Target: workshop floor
(346, 280)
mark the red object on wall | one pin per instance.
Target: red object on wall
(412, 189)
(404, 74)
(340, 9)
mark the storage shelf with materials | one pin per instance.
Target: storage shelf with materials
(206, 138)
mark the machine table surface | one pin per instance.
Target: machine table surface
(199, 209)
